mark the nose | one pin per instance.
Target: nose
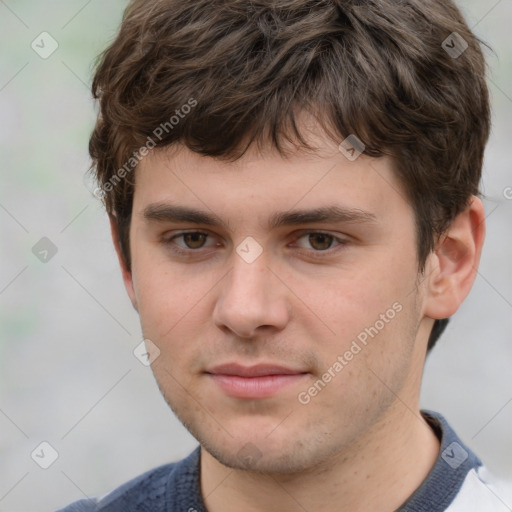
(251, 299)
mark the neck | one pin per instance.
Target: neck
(387, 465)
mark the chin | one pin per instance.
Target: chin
(252, 458)
(286, 454)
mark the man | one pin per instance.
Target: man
(292, 188)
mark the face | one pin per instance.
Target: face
(287, 314)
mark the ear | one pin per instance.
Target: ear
(126, 272)
(453, 265)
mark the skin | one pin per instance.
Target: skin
(360, 442)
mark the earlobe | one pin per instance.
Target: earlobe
(453, 265)
(126, 272)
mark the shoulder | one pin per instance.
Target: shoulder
(481, 491)
(150, 491)
(458, 482)
(148, 486)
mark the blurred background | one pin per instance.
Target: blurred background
(68, 375)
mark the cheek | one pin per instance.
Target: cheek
(166, 297)
(171, 316)
(370, 360)
(355, 301)
(372, 316)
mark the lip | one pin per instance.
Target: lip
(259, 370)
(259, 381)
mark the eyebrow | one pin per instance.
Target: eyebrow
(164, 212)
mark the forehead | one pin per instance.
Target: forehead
(260, 184)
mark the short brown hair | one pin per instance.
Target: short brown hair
(379, 69)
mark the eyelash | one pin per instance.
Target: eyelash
(310, 252)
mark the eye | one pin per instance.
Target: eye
(314, 243)
(319, 241)
(192, 241)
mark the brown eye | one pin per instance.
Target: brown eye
(320, 241)
(194, 240)
(319, 244)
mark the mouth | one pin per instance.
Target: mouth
(260, 381)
